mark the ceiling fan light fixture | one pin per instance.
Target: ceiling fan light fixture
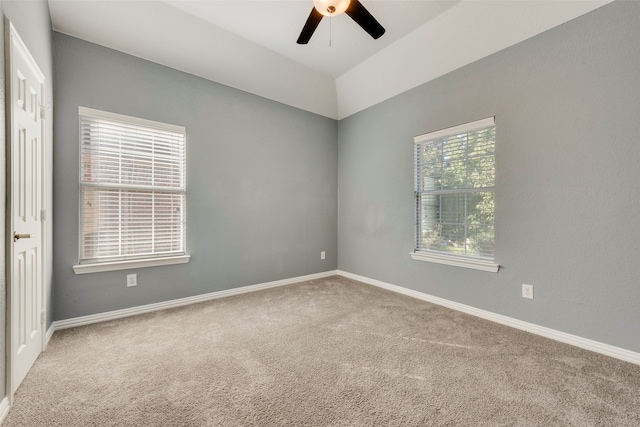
(331, 7)
(353, 8)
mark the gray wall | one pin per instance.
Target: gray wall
(32, 22)
(567, 108)
(261, 181)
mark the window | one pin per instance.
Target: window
(132, 192)
(454, 195)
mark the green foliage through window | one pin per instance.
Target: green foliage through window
(455, 181)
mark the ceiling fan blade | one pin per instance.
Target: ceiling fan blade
(358, 13)
(310, 26)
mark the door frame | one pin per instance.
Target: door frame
(13, 40)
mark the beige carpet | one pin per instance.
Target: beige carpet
(330, 352)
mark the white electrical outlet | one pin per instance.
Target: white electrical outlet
(132, 280)
(527, 291)
(323, 255)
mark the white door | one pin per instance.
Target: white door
(26, 147)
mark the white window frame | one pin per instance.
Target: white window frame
(146, 260)
(465, 261)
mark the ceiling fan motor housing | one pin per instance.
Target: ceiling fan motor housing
(331, 7)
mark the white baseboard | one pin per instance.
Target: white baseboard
(117, 314)
(50, 332)
(587, 344)
(4, 409)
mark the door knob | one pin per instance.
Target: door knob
(17, 236)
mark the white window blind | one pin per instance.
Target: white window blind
(132, 187)
(454, 189)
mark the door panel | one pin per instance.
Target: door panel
(26, 84)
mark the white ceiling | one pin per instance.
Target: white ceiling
(277, 24)
(251, 44)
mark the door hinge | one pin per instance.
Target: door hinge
(43, 317)
(42, 113)
(43, 215)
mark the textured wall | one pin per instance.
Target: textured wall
(567, 107)
(261, 181)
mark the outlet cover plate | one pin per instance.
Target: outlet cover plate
(132, 280)
(527, 291)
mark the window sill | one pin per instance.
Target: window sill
(135, 263)
(457, 261)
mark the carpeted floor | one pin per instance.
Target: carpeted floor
(329, 352)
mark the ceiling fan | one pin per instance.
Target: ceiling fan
(331, 8)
